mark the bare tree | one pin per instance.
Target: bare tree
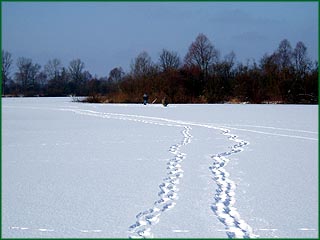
(285, 54)
(6, 65)
(201, 53)
(301, 60)
(142, 65)
(169, 60)
(230, 58)
(76, 68)
(53, 68)
(225, 66)
(116, 74)
(27, 74)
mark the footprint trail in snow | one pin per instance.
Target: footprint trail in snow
(168, 192)
(225, 199)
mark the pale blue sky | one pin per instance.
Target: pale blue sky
(105, 35)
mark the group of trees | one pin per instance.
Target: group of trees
(52, 80)
(202, 76)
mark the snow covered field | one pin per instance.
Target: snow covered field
(118, 170)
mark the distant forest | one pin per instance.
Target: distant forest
(202, 76)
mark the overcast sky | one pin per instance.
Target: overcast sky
(105, 35)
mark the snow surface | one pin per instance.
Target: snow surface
(128, 170)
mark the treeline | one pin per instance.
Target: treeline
(202, 76)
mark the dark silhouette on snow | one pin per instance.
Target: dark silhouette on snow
(145, 99)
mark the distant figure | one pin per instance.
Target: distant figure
(145, 99)
(165, 102)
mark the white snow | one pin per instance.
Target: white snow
(184, 171)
